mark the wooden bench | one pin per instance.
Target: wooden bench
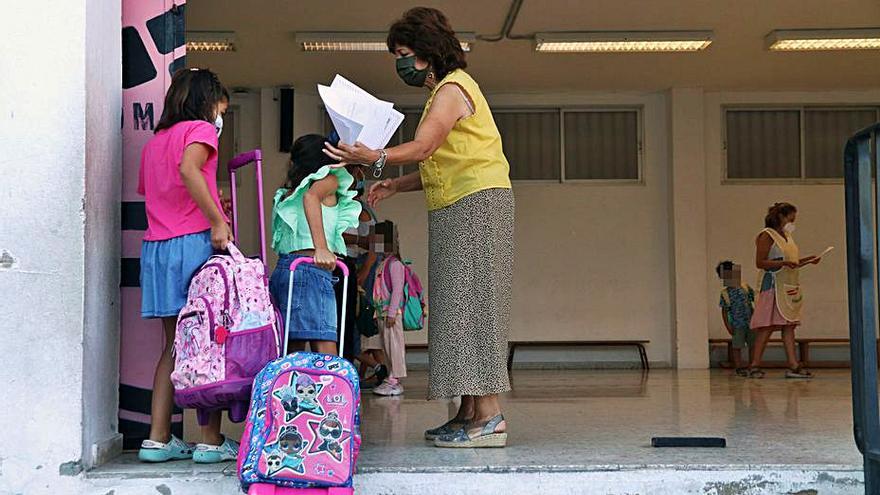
(638, 344)
(803, 345)
(513, 344)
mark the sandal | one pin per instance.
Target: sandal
(743, 372)
(798, 372)
(486, 438)
(757, 373)
(447, 428)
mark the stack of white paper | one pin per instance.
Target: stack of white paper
(358, 115)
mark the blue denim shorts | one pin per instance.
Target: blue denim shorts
(166, 270)
(313, 309)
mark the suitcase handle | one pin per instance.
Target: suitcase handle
(311, 261)
(239, 161)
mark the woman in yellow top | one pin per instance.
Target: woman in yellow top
(465, 176)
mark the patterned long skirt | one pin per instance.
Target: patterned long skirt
(470, 288)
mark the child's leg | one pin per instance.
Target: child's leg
(323, 346)
(211, 431)
(395, 347)
(762, 336)
(296, 346)
(163, 390)
(737, 358)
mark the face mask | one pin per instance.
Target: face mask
(789, 228)
(406, 69)
(218, 124)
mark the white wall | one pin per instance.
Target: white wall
(736, 215)
(592, 261)
(49, 161)
(103, 176)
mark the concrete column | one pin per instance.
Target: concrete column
(689, 219)
(59, 239)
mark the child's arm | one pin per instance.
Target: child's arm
(194, 158)
(312, 200)
(726, 322)
(397, 281)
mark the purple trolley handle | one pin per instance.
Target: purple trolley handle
(293, 266)
(256, 157)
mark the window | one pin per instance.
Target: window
(531, 143)
(557, 144)
(790, 143)
(602, 145)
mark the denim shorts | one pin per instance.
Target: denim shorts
(166, 270)
(313, 308)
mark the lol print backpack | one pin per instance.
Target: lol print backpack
(302, 434)
(228, 329)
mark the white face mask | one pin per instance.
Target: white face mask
(789, 228)
(218, 124)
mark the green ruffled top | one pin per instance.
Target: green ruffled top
(290, 229)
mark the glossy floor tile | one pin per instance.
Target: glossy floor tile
(598, 419)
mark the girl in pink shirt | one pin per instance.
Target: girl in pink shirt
(185, 223)
(388, 299)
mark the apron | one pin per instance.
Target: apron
(789, 297)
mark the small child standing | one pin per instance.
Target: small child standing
(311, 211)
(737, 305)
(388, 300)
(185, 224)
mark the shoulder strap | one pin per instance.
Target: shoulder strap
(725, 296)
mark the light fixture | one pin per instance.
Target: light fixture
(346, 41)
(623, 41)
(210, 41)
(823, 39)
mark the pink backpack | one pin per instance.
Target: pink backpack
(226, 333)
(302, 435)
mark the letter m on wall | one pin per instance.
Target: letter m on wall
(143, 116)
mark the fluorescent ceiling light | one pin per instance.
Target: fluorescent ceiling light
(358, 41)
(210, 41)
(623, 41)
(823, 39)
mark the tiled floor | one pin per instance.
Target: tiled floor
(599, 420)
(590, 419)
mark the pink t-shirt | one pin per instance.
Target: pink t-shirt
(171, 211)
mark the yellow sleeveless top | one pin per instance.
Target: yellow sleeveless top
(471, 159)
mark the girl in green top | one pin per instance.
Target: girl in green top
(310, 213)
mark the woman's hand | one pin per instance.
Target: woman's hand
(790, 264)
(221, 235)
(382, 190)
(358, 153)
(325, 259)
(390, 321)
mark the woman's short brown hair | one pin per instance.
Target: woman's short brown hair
(776, 213)
(429, 35)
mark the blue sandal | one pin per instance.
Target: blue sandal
(486, 438)
(446, 428)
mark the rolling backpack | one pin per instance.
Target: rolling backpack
(302, 434)
(414, 308)
(228, 330)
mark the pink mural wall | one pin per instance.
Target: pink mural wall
(153, 47)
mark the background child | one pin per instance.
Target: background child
(178, 178)
(388, 299)
(737, 305)
(311, 211)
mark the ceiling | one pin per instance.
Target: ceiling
(268, 56)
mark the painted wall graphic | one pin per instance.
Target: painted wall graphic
(153, 47)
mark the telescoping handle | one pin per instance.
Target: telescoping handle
(293, 266)
(255, 157)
